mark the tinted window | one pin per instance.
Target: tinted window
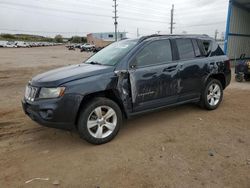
(185, 48)
(196, 48)
(157, 52)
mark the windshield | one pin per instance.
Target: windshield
(113, 53)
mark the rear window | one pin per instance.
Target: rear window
(185, 48)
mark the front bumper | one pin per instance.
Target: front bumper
(57, 113)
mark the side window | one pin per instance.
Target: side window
(196, 48)
(185, 48)
(157, 52)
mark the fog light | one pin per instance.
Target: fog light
(46, 114)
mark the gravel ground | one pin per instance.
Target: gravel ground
(179, 147)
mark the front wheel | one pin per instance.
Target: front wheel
(100, 121)
(212, 94)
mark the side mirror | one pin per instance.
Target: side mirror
(133, 64)
(120, 72)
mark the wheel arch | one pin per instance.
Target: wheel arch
(110, 94)
(219, 76)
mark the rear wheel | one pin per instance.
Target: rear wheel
(212, 94)
(100, 121)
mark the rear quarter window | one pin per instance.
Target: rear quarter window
(211, 48)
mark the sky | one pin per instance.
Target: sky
(80, 17)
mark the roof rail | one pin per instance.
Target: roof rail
(148, 36)
(169, 35)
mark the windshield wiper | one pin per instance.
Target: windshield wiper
(94, 63)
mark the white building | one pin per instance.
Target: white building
(103, 39)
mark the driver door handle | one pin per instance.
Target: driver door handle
(170, 68)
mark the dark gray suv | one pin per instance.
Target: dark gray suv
(128, 78)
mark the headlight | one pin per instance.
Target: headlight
(51, 92)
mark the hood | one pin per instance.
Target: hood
(62, 75)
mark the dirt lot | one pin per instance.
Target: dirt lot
(179, 147)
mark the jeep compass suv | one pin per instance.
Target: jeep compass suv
(128, 78)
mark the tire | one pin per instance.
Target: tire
(94, 127)
(239, 77)
(212, 94)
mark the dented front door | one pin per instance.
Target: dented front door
(154, 86)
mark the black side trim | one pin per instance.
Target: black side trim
(163, 107)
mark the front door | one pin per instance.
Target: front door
(153, 76)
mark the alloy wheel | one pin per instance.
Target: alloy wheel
(214, 94)
(102, 122)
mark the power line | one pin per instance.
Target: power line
(101, 7)
(56, 16)
(77, 12)
(183, 10)
(106, 16)
(52, 9)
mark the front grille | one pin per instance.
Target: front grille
(30, 93)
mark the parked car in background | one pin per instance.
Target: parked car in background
(11, 44)
(97, 49)
(71, 47)
(128, 78)
(87, 47)
(26, 44)
(21, 44)
(77, 46)
(3, 43)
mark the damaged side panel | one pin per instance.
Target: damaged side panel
(154, 86)
(124, 90)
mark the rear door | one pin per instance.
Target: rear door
(192, 68)
(153, 76)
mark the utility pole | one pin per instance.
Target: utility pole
(115, 18)
(138, 32)
(215, 34)
(172, 20)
